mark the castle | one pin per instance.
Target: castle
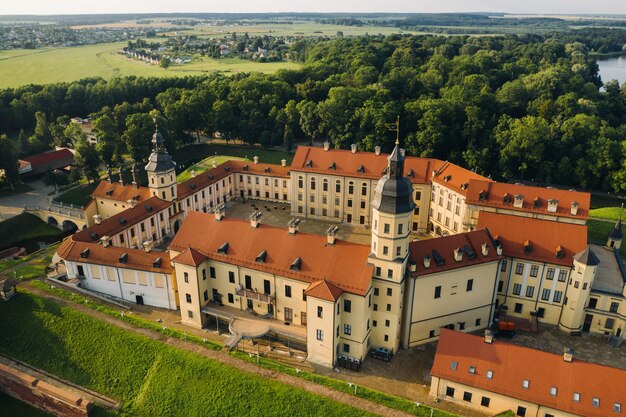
(499, 250)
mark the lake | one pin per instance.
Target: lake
(613, 69)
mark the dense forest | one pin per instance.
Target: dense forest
(513, 106)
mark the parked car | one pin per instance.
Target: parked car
(381, 353)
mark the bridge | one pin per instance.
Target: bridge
(66, 217)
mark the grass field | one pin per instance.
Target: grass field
(24, 227)
(9, 406)
(610, 213)
(78, 196)
(43, 66)
(205, 165)
(198, 152)
(149, 377)
(598, 231)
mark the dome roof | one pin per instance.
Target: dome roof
(159, 160)
(393, 195)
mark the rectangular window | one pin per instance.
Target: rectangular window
(387, 323)
(519, 268)
(388, 307)
(477, 323)
(386, 228)
(346, 348)
(470, 285)
(609, 323)
(347, 306)
(389, 292)
(231, 276)
(557, 296)
(390, 273)
(545, 294)
(438, 291)
(500, 286)
(320, 312)
(518, 308)
(467, 396)
(550, 273)
(190, 314)
(489, 375)
(614, 307)
(188, 298)
(203, 274)
(288, 291)
(376, 289)
(449, 392)
(231, 298)
(530, 291)
(206, 296)
(503, 265)
(517, 289)
(347, 329)
(521, 411)
(212, 272)
(577, 397)
(319, 334)
(484, 401)
(186, 276)
(553, 391)
(562, 275)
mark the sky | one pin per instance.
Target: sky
(242, 6)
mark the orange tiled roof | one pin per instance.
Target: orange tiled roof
(324, 290)
(122, 221)
(456, 178)
(344, 264)
(445, 246)
(190, 257)
(203, 180)
(490, 193)
(543, 237)
(120, 192)
(138, 259)
(419, 170)
(511, 365)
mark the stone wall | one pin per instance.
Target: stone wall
(40, 394)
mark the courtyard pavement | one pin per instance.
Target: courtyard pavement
(13, 205)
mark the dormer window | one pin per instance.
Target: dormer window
(333, 166)
(411, 173)
(464, 186)
(447, 178)
(309, 163)
(560, 253)
(528, 247)
(85, 253)
(123, 258)
(223, 249)
(361, 169)
(482, 195)
(536, 203)
(506, 198)
(157, 262)
(261, 257)
(245, 167)
(296, 264)
(552, 205)
(268, 170)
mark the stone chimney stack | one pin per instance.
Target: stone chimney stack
(458, 254)
(377, 150)
(104, 240)
(283, 162)
(131, 202)
(574, 208)
(499, 250)
(331, 235)
(488, 336)
(568, 355)
(353, 147)
(97, 218)
(426, 261)
(256, 159)
(412, 266)
(326, 145)
(219, 212)
(293, 225)
(214, 164)
(255, 219)
(485, 249)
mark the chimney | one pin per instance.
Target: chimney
(97, 218)
(568, 354)
(402, 152)
(214, 164)
(377, 150)
(254, 219)
(499, 249)
(283, 162)
(326, 145)
(485, 249)
(426, 261)
(353, 147)
(293, 225)
(331, 235)
(131, 202)
(256, 159)
(147, 245)
(488, 336)
(219, 212)
(105, 241)
(458, 254)
(193, 173)
(518, 201)
(121, 176)
(412, 266)
(574, 208)
(552, 205)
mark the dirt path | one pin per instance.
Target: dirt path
(220, 356)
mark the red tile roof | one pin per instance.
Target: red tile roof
(122, 221)
(419, 170)
(445, 246)
(456, 178)
(544, 236)
(190, 257)
(512, 364)
(138, 259)
(324, 290)
(50, 160)
(344, 264)
(203, 180)
(120, 192)
(493, 196)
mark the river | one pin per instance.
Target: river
(613, 69)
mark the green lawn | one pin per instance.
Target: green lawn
(201, 151)
(78, 196)
(598, 231)
(610, 213)
(150, 378)
(601, 200)
(25, 227)
(43, 66)
(9, 406)
(205, 165)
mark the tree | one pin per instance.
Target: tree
(139, 130)
(106, 131)
(8, 161)
(165, 62)
(74, 134)
(87, 159)
(42, 136)
(22, 141)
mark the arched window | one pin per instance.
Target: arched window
(337, 186)
(313, 183)
(325, 186)
(300, 182)
(364, 189)
(351, 187)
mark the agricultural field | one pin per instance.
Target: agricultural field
(44, 66)
(149, 378)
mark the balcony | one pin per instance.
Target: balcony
(255, 295)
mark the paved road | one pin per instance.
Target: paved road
(14, 204)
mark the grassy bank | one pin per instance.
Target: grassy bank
(26, 227)
(9, 406)
(598, 231)
(204, 165)
(149, 377)
(200, 151)
(78, 196)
